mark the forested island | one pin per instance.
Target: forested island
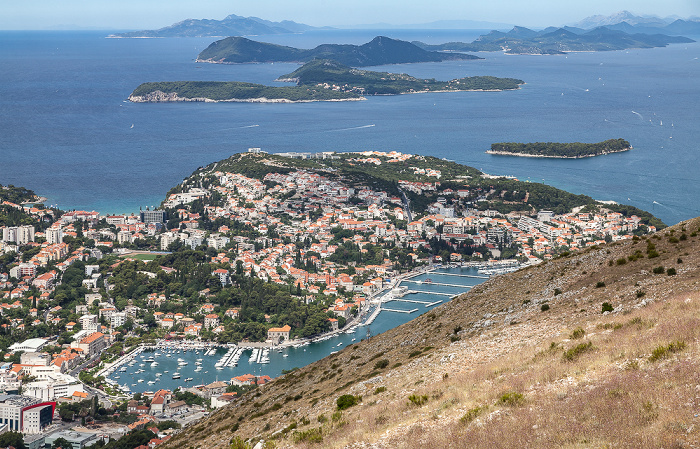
(572, 150)
(318, 80)
(379, 51)
(336, 76)
(233, 91)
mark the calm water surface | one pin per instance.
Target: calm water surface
(66, 131)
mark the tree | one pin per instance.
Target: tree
(62, 443)
(12, 439)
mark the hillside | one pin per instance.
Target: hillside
(522, 40)
(346, 79)
(231, 25)
(379, 51)
(523, 360)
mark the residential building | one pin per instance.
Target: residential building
(279, 334)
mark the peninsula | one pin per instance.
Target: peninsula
(521, 40)
(573, 150)
(381, 50)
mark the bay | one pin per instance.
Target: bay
(288, 358)
(66, 130)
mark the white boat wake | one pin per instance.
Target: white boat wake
(349, 129)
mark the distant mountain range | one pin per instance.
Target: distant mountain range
(381, 50)
(232, 25)
(521, 40)
(631, 23)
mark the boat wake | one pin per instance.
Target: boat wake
(240, 127)
(349, 129)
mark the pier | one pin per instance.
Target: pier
(461, 275)
(438, 283)
(451, 295)
(401, 311)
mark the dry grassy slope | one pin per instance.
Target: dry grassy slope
(610, 393)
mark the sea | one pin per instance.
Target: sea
(68, 133)
(443, 283)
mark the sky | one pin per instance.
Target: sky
(152, 14)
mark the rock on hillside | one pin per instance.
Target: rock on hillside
(525, 359)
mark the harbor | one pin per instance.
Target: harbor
(170, 364)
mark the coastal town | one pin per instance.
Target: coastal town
(287, 250)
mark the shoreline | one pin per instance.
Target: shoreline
(162, 97)
(507, 153)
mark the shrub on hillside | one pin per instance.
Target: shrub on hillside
(347, 401)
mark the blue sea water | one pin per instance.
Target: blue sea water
(292, 357)
(66, 131)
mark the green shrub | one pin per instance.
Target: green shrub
(557, 292)
(621, 261)
(321, 418)
(415, 354)
(577, 333)
(607, 307)
(544, 307)
(652, 254)
(381, 364)
(599, 284)
(418, 400)
(511, 399)
(347, 400)
(664, 351)
(572, 354)
(335, 417)
(380, 390)
(472, 414)
(640, 293)
(454, 338)
(238, 443)
(679, 260)
(309, 436)
(671, 272)
(659, 270)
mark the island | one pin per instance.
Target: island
(521, 40)
(333, 75)
(318, 80)
(231, 25)
(572, 150)
(233, 91)
(381, 50)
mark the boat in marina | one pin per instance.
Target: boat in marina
(189, 379)
(176, 375)
(182, 363)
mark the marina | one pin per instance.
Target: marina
(171, 364)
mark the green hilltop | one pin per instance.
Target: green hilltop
(381, 50)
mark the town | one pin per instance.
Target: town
(286, 249)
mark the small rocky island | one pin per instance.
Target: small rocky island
(573, 150)
(318, 80)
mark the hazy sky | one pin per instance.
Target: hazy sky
(147, 14)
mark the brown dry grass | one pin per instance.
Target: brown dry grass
(610, 394)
